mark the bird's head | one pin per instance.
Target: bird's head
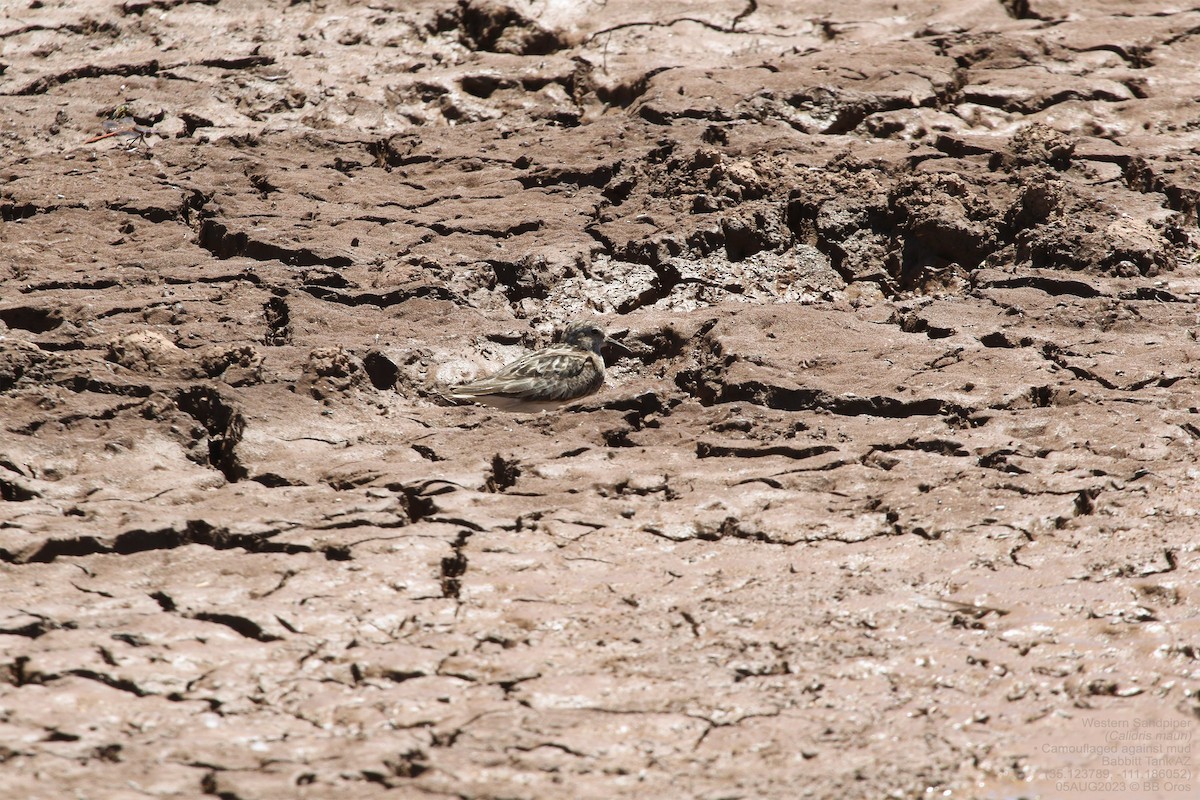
(588, 336)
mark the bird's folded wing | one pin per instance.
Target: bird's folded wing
(547, 364)
(531, 388)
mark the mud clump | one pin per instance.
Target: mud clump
(240, 365)
(144, 351)
(332, 371)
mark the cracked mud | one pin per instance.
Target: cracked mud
(897, 485)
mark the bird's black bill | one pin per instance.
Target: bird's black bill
(619, 345)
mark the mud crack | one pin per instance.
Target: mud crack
(217, 238)
(48, 82)
(454, 567)
(708, 450)
(223, 423)
(139, 540)
(787, 399)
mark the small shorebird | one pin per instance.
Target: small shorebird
(545, 378)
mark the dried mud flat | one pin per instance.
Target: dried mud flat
(896, 497)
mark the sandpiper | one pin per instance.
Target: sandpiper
(545, 378)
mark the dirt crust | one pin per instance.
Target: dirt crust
(895, 496)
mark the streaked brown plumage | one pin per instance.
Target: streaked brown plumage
(545, 378)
